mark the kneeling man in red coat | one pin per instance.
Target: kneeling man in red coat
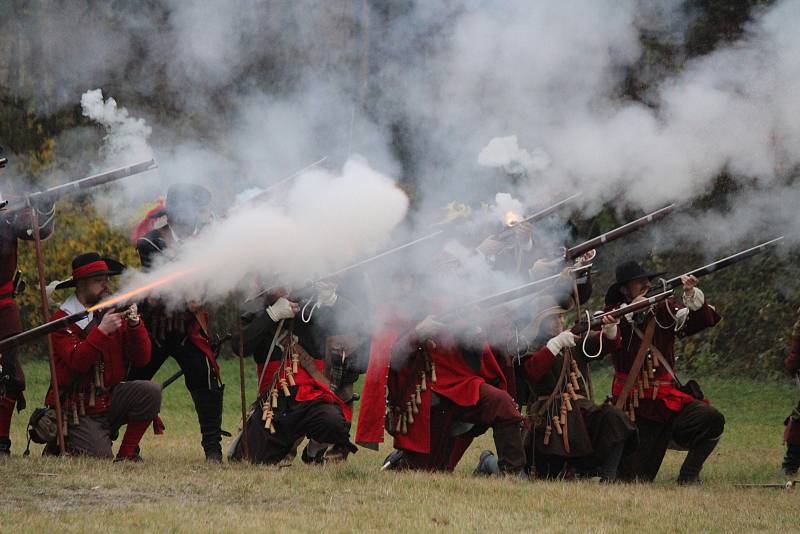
(92, 358)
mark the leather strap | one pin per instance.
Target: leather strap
(633, 372)
(556, 390)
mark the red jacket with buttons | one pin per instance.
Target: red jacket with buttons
(77, 352)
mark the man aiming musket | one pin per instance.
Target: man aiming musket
(645, 385)
(30, 218)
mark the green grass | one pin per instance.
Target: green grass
(176, 491)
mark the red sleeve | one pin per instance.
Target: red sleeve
(78, 355)
(136, 344)
(538, 364)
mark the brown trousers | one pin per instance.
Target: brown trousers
(139, 400)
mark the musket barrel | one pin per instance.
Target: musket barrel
(505, 296)
(720, 264)
(59, 191)
(616, 233)
(40, 331)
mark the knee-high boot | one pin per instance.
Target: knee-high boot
(693, 464)
(510, 453)
(208, 404)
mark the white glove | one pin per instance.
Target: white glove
(561, 341)
(694, 300)
(282, 309)
(326, 293)
(610, 331)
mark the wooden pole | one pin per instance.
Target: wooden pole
(242, 385)
(37, 239)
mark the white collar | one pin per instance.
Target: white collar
(73, 305)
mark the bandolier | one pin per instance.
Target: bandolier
(441, 393)
(645, 385)
(91, 365)
(565, 425)
(13, 227)
(292, 346)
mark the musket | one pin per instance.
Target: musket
(265, 192)
(56, 192)
(541, 214)
(733, 259)
(633, 307)
(788, 485)
(628, 228)
(42, 330)
(506, 296)
(353, 266)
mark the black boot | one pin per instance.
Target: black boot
(693, 464)
(608, 469)
(791, 461)
(5, 447)
(487, 465)
(208, 404)
(510, 452)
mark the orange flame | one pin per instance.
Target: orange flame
(511, 218)
(138, 291)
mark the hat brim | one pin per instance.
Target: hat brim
(614, 295)
(115, 268)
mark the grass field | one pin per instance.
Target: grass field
(174, 490)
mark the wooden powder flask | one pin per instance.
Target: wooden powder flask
(547, 431)
(409, 413)
(91, 395)
(636, 399)
(403, 424)
(573, 381)
(284, 387)
(295, 362)
(75, 419)
(423, 385)
(290, 376)
(418, 395)
(433, 373)
(557, 424)
(566, 402)
(274, 397)
(399, 426)
(81, 404)
(655, 391)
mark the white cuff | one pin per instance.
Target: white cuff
(554, 346)
(695, 301)
(610, 331)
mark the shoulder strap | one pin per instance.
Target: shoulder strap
(633, 372)
(557, 389)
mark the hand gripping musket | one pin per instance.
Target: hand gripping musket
(635, 307)
(508, 232)
(56, 192)
(621, 231)
(663, 285)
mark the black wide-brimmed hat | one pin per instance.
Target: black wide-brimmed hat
(183, 198)
(90, 265)
(625, 272)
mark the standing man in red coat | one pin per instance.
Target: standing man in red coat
(645, 385)
(92, 357)
(183, 333)
(13, 227)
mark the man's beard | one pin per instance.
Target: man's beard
(96, 299)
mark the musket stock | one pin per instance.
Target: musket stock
(634, 307)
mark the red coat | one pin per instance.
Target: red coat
(78, 351)
(308, 388)
(12, 228)
(396, 364)
(668, 399)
